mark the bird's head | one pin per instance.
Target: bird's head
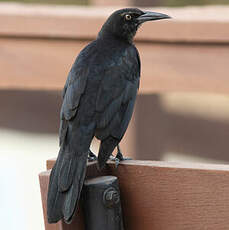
(124, 23)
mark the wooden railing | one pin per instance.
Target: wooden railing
(187, 53)
(162, 195)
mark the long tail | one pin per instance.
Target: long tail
(65, 185)
(67, 176)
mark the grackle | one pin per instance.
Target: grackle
(98, 101)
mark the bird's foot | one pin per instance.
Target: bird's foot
(91, 156)
(115, 159)
(119, 157)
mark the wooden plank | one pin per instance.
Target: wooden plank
(50, 163)
(29, 64)
(197, 24)
(182, 68)
(44, 65)
(177, 55)
(44, 180)
(173, 196)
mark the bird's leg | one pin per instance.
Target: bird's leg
(119, 157)
(91, 156)
(119, 154)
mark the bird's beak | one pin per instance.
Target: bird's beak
(150, 16)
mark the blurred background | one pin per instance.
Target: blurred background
(181, 114)
(134, 2)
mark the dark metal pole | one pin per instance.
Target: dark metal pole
(101, 204)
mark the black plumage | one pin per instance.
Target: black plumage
(98, 100)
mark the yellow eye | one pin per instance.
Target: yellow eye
(128, 17)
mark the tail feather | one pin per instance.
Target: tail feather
(66, 172)
(55, 199)
(73, 197)
(66, 182)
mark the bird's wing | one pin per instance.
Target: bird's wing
(67, 176)
(74, 88)
(116, 96)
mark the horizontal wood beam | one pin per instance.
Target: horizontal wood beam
(44, 65)
(165, 195)
(189, 24)
(162, 164)
(188, 53)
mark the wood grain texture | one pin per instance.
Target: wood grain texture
(44, 65)
(172, 196)
(189, 53)
(198, 24)
(44, 180)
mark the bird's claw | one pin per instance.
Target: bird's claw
(91, 156)
(119, 157)
(116, 160)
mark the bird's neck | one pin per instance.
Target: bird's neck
(109, 36)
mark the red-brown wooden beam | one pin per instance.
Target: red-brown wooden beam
(188, 53)
(165, 195)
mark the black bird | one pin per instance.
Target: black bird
(98, 100)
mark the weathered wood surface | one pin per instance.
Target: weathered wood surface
(44, 180)
(168, 196)
(42, 64)
(84, 22)
(188, 53)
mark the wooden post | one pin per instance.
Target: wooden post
(101, 204)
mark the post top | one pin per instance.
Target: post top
(100, 180)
